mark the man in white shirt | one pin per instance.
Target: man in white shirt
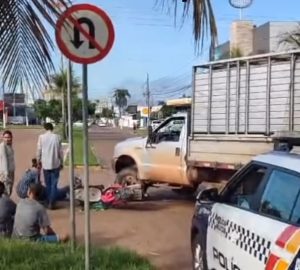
(50, 156)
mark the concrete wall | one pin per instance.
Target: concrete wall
(241, 36)
(261, 39)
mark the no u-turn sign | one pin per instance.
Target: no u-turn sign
(85, 34)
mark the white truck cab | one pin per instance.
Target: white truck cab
(159, 157)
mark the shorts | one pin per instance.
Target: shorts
(48, 238)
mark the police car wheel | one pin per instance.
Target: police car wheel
(199, 261)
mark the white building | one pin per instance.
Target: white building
(251, 40)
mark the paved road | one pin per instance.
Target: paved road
(158, 229)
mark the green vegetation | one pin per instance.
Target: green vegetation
(141, 132)
(26, 255)
(78, 149)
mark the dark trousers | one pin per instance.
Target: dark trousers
(51, 179)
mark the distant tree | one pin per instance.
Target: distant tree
(58, 84)
(91, 108)
(166, 111)
(55, 112)
(236, 52)
(41, 109)
(76, 109)
(121, 98)
(107, 113)
(292, 38)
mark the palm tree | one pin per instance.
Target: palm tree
(25, 54)
(121, 96)
(292, 39)
(58, 84)
(203, 20)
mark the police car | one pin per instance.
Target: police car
(254, 222)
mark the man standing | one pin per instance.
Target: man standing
(50, 155)
(32, 221)
(7, 162)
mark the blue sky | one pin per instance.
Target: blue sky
(148, 41)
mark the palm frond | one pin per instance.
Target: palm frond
(203, 19)
(25, 44)
(291, 38)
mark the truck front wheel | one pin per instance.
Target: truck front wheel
(126, 177)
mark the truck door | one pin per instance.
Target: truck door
(163, 158)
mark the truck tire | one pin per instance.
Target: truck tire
(199, 254)
(127, 176)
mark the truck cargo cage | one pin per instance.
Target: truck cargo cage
(249, 95)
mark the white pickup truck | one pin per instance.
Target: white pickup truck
(238, 105)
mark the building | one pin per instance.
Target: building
(103, 103)
(248, 39)
(50, 94)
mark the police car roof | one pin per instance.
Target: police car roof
(290, 161)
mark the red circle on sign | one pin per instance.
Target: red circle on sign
(66, 17)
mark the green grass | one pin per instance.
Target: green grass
(141, 132)
(25, 255)
(78, 148)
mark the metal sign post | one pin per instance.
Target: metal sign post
(85, 35)
(86, 164)
(71, 158)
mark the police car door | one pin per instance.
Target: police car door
(249, 229)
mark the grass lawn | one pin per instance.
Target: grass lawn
(16, 255)
(141, 132)
(78, 150)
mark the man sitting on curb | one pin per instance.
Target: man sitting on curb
(7, 212)
(32, 221)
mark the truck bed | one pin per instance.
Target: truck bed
(239, 103)
(226, 150)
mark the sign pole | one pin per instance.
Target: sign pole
(78, 34)
(71, 159)
(86, 165)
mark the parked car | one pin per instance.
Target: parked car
(78, 124)
(254, 222)
(101, 124)
(156, 123)
(16, 121)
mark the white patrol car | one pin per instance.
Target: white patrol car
(254, 223)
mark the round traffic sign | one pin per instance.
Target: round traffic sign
(84, 33)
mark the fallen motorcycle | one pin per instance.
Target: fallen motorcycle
(112, 196)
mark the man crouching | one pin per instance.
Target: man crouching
(32, 221)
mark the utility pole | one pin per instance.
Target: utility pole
(63, 112)
(148, 100)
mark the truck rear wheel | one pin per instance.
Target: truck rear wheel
(126, 177)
